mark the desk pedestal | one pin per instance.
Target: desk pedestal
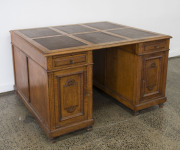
(135, 74)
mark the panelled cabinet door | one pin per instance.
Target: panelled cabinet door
(153, 76)
(70, 100)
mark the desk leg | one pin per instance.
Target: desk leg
(89, 128)
(135, 113)
(52, 139)
(161, 105)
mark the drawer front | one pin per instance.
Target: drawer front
(69, 60)
(156, 45)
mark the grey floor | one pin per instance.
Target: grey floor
(114, 128)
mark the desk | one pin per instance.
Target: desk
(55, 69)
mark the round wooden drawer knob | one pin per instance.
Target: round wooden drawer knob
(71, 61)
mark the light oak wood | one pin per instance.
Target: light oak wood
(55, 68)
(137, 81)
(21, 78)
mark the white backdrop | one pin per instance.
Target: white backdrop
(161, 16)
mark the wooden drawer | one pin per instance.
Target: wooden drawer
(68, 60)
(155, 45)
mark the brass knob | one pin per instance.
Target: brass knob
(156, 46)
(71, 61)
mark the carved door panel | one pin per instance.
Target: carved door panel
(70, 100)
(153, 67)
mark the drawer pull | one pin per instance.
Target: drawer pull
(156, 47)
(71, 61)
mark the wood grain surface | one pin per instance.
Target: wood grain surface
(55, 69)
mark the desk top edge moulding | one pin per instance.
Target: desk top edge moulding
(56, 67)
(83, 37)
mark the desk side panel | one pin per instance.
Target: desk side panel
(38, 84)
(117, 74)
(120, 74)
(21, 72)
(99, 60)
(31, 84)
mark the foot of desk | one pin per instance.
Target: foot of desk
(51, 139)
(161, 105)
(89, 128)
(135, 113)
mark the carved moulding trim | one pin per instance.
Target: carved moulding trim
(70, 82)
(71, 109)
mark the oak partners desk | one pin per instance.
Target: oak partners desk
(55, 68)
